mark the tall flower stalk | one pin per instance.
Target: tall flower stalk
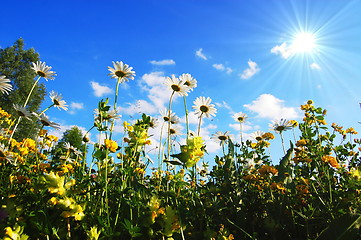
(203, 106)
(43, 71)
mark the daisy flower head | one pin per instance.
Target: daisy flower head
(240, 117)
(176, 85)
(153, 123)
(188, 80)
(44, 119)
(281, 125)
(203, 105)
(22, 111)
(57, 101)
(44, 71)
(121, 71)
(5, 86)
(175, 131)
(220, 137)
(258, 135)
(169, 116)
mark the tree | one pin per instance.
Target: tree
(74, 137)
(15, 64)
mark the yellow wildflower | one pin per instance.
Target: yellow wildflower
(111, 145)
(331, 160)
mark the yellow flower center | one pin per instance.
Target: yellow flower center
(240, 119)
(222, 138)
(187, 83)
(119, 74)
(204, 108)
(175, 88)
(41, 73)
(172, 131)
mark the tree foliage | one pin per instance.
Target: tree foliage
(74, 137)
(15, 64)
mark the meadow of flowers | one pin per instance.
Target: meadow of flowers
(314, 192)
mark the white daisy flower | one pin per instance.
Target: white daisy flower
(220, 137)
(169, 116)
(46, 122)
(43, 70)
(22, 111)
(188, 80)
(121, 71)
(240, 117)
(177, 86)
(281, 125)
(203, 105)
(57, 100)
(257, 135)
(5, 86)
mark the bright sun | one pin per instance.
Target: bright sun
(304, 42)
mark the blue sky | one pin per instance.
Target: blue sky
(239, 51)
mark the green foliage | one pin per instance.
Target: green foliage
(15, 64)
(314, 192)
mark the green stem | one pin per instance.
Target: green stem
(114, 106)
(31, 91)
(199, 124)
(168, 137)
(186, 111)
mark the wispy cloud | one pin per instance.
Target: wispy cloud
(284, 50)
(251, 70)
(163, 62)
(100, 90)
(74, 106)
(268, 106)
(199, 53)
(315, 66)
(221, 67)
(156, 92)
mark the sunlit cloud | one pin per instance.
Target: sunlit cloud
(270, 107)
(315, 66)
(200, 54)
(163, 62)
(152, 84)
(74, 106)
(100, 90)
(284, 50)
(221, 67)
(251, 70)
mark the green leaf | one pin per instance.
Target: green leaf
(284, 166)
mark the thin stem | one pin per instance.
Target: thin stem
(26, 102)
(283, 144)
(168, 137)
(200, 123)
(31, 91)
(114, 107)
(186, 111)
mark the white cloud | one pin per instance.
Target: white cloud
(315, 66)
(157, 95)
(284, 50)
(163, 62)
(100, 90)
(268, 106)
(223, 104)
(251, 70)
(75, 106)
(221, 67)
(200, 54)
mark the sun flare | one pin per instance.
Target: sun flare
(304, 42)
